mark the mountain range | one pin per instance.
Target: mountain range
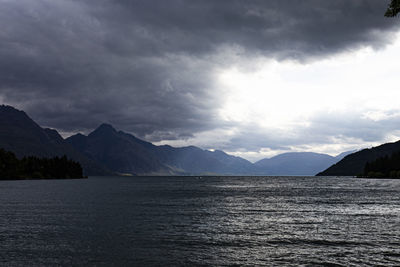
(106, 151)
(126, 154)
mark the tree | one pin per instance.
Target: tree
(393, 9)
(387, 166)
(37, 168)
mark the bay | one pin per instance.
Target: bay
(158, 221)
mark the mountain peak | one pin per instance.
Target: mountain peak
(104, 128)
(12, 112)
(8, 108)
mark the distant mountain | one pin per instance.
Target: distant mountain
(354, 164)
(295, 163)
(194, 160)
(21, 135)
(124, 153)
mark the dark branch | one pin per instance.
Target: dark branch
(393, 9)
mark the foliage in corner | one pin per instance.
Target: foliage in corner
(393, 9)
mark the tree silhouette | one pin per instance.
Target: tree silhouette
(37, 168)
(387, 166)
(393, 9)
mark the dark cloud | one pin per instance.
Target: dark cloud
(148, 66)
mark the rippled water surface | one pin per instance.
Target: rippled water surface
(115, 221)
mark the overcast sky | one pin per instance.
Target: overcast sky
(253, 78)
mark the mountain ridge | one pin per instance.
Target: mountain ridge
(189, 160)
(150, 158)
(106, 151)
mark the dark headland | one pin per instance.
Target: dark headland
(377, 162)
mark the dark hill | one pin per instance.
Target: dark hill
(21, 135)
(354, 164)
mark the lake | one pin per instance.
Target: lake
(158, 221)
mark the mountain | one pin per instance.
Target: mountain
(295, 163)
(124, 153)
(194, 160)
(21, 135)
(107, 151)
(354, 164)
(119, 152)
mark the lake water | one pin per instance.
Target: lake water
(158, 221)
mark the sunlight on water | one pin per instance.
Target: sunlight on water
(209, 221)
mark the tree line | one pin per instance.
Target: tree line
(384, 167)
(37, 168)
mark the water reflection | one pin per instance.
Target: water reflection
(210, 221)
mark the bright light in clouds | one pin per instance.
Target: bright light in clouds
(286, 94)
(290, 104)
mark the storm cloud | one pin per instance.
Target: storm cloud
(149, 67)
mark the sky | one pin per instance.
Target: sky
(253, 78)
